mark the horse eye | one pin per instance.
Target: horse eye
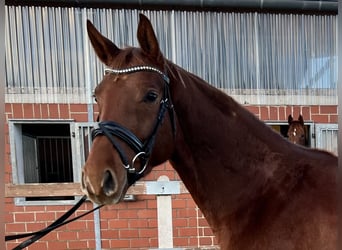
(150, 97)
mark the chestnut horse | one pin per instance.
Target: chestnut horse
(256, 189)
(296, 132)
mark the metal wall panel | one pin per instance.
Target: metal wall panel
(257, 58)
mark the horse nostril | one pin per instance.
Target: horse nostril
(108, 183)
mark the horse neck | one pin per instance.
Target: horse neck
(220, 146)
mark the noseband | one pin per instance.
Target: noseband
(142, 150)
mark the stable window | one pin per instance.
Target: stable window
(282, 129)
(42, 152)
(321, 136)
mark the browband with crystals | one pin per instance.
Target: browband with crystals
(136, 69)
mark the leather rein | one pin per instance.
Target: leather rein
(109, 129)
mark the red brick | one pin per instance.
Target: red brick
(178, 203)
(137, 205)
(67, 235)
(190, 203)
(45, 216)
(152, 222)
(82, 244)
(110, 234)
(64, 111)
(127, 234)
(105, 244)
(137, 223)
(328, 109)
(296, 112)
(53, 111)
(105, 214)
(148, 233)
(282, 114)
(76, 225)
(127, 214)
(91, 244)
(192, 222)
(15, 227)
(264, 114)
(180, 222)
(188, 231)
(8, 108)
(37, 111)
(273, 113)
(35, 226)
(57, 245)
(151, 204)
(84, 235)
(34, 209)
(186, 213)
(113, 224)
(314, 109)
(320, 118)
(181, 242)
(28, 110)
(288, 111)
(44, 111)
(305, 111)
(23, 217)
(253, 109)
(333, 118)
(205, 241)
(117, 244)
(193, 241)
(138, 243)
(78, 108)
(17, 111)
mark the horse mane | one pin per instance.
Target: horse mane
(226, 105)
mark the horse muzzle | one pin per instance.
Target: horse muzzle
(104, 189)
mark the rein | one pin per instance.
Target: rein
(58, 223)
(144, 149)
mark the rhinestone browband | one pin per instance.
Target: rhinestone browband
(136, 69)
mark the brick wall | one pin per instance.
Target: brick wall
(129, 224)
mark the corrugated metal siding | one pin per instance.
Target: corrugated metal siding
(252, 56)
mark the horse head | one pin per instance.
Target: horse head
(296, 131)
(134, 132)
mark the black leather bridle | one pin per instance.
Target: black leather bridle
(143, 150)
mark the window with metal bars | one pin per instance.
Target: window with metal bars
(42, 152)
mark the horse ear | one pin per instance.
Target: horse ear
(290, 119)
(148, 40)
(301, 120)
(104, 48)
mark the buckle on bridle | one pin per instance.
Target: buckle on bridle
(131, 169)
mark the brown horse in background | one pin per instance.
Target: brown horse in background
(296, 132)
(256, 189)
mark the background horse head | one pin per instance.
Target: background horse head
(256, 189)
(296, 132)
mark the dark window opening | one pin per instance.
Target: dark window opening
(283, 128)
(47, 155)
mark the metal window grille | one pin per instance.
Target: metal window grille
(327, 137)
